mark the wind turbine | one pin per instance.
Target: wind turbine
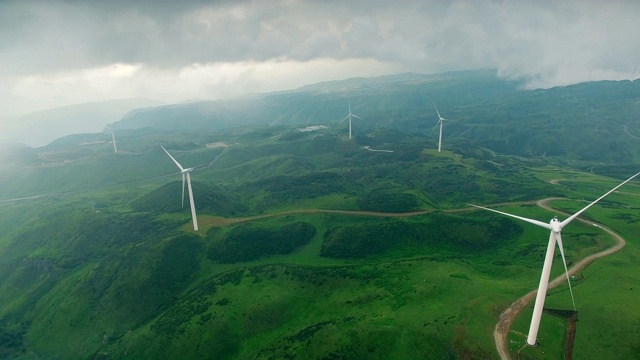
(441, 123)
(113, 140)
(185, 173)
(556, 228)
(349, 117)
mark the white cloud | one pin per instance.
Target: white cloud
(71, 87)
(193, 82)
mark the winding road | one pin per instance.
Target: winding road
(222, 221)
(509, 314)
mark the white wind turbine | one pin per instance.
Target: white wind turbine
(441, 123)
(186, 172)
(349, 117)
(113, 140)
(556, 227)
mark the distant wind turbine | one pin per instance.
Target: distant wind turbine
(556, 227)
(441, 123)
(185, 173)
(349, 117)
(113, 140)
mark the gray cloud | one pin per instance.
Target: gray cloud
(46, 44)
(59, 35)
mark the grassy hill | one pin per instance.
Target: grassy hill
(594, 121)
(310, 244)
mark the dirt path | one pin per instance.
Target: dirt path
(208, 221)
(508, 315)
(571, 336)
(220, 221)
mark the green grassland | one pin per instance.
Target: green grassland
(359, 286)
(311, 246)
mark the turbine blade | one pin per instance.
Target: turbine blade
(357, 117)
(437, 112)
(434, 128)
(542, 290)
(570, 218)
(532, 221)
(566, 271)
(344, 119)
(174, 160)
(182, 189)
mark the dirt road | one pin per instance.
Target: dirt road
(209, 221)
(508, 315)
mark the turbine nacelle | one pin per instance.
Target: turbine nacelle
(556, 225)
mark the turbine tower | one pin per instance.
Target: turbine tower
(113, 140)
(441, 123)
(349, 117)
(185, 173)
(556, 228)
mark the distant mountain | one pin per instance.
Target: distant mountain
(594, 121)
(361, 82)
(42, 127)
(326, 102)
(11, 154)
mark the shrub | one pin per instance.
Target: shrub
(249, 242)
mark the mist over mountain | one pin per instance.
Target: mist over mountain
(587, 121)
(321, 103)
(42, 127)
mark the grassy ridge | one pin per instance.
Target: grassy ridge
(439, 232)
(340, 312)
(113, 271)
(248, 242)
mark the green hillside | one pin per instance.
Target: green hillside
(315, 246)
(594, 121)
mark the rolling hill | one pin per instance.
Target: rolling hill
(312, 246)
(594, 121)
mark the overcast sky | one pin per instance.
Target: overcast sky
(56, 53)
